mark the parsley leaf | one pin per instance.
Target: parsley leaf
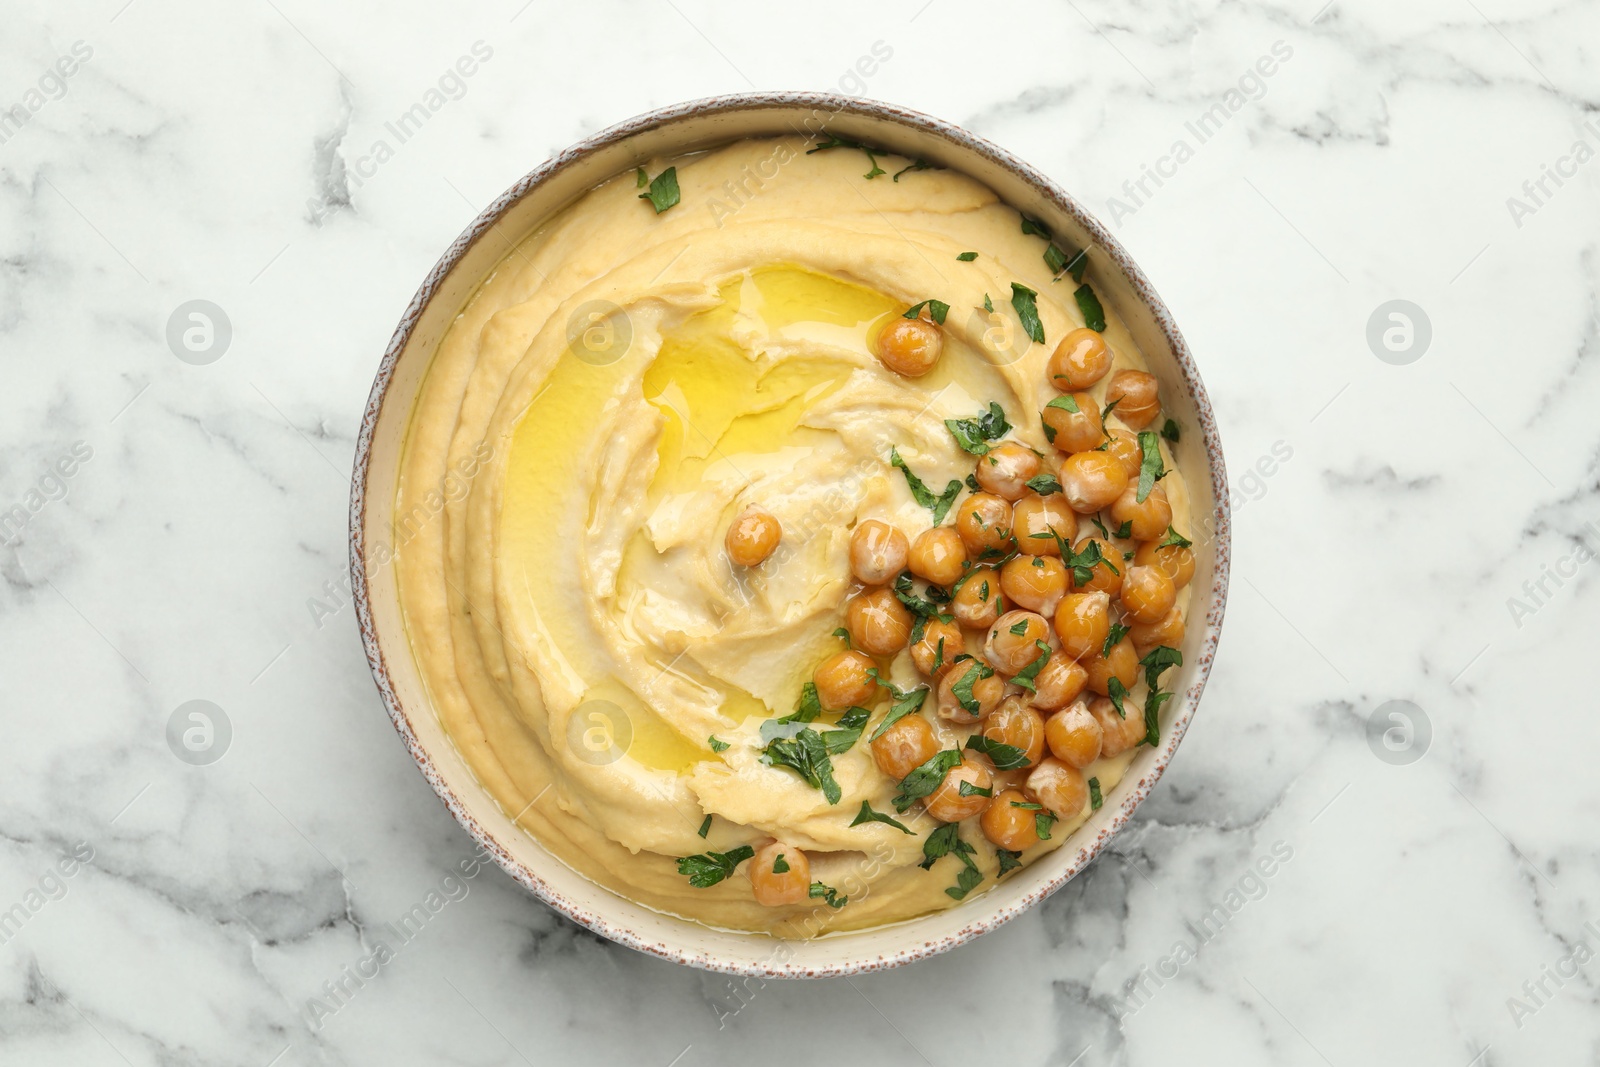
(1175, 538)
(1055, 259)
(1026, 676)
(866, 815)
(974, 434)
(1042, 821)
(1095, 799)
(1019, 629)
(1152, 716)
(946, 841)
(1170, 431)
(1157, 660)
(1125, 530)
(937, 308)
(1022, 299)
(988, 305)
(830, 896)
(844, 635)
(1004, 757)
(1044, 484)
(643, 179)
(1034, 226)
(835, 141)
(967, 257)
(780, 865)
(807, 755)
(928, 608)
(926, 778)
(939, 505)
(663, 191)
(1118, 693)
(966, 881)
(1117, 633)
(1151, 469)
(967, 789)
(1009, 861)
(918, 164)
(708, 868)
(1098, 525)
(717, 744)
(705, 827)
(1066, 403)
(1094, 316)
(1078, 264)
(962, 689)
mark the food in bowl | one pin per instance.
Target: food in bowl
(811, 550)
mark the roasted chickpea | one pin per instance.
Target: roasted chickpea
(1092, 480)
(1148, 520)
(946, 802)
(1081, 359)
(936, 652)
(984, 522)
(1009, 826)
(1137, 397)
(905, 746)
(780, 874)
(752, 537)
(988, 688)
(938, 556)
(976, 602)
(879, 624)
(1072, 422)
(1118, 733)
(1034, 517)
(878, 552)
(1016, 724)
(1122, 664)
(1058, 682)
(909, 347)
(1059, 787)
(1013, 641)
(1083, 621)
(1006, 469)
(1176, 560)
(1147, 594)
(1125, 446)
(1034, 582)
(842, 681)
(1074, 734)
(1169, 632)
(1105, 576)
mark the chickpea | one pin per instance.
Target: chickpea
(1105, 576)
(1122, 664)
(1081, 359)
(1118, 733)
(1176, 560)
(752, 537)
(879, 624)
(1006, 469)
(1016, 724)
(1083, 622)
(1169, 632)
(987, 692)
(1125, 446)
(1137, 396)
(1034, 582)
(936, 653)
(946, 802)
(984, 522)
(1059, 787)
(1034, 515)
(1147, 594)
(1058, 682)
(789, 884)
(1009, 651)
(842, 681)
(938, 556)
(1008, 826)
(976, 602)
(1073, 431)
(905, 746)
(1074, 735)
(1092, 480)
(1149, 520)
(909, 347)
(877, 552)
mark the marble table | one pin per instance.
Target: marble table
(1376, 844)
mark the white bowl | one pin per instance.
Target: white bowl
(671, 132)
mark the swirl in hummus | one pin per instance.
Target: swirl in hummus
(634, 379)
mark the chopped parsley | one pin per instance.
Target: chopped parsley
(717, 744)
(1175, 538)
(1151, 469)
(1026, 676)
(830, 896)
(1116, 634)
(844, 635)
(780, 865)
(866, 815)
(1044, 484)
(1170, 431)
(919, 164)
(643, 180)
(1106, 411)
(974, 434)
(1035, 227)
(1095, 799)
(1125, 530)
(1094, 316)
(1042, 821)
(843, 739)
(705, 827)
(967, 257)
(1152, 716)
(806, 753)
(1022, 299)
(926, 778)
(1118, 693)
(663, 191)
(708, 868)
(1020, 628)
(937, 308)
(977, 672)
(946, 841)
(835, 141)
(1004, 757)
(967, 789)
(940, 504)
(1066, 403)
(988, 305)
(1157, 660)
(1009, 861)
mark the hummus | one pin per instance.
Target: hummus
(617, 390)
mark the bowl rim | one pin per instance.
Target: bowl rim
(836, 105)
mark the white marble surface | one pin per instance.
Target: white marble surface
(1374, 563)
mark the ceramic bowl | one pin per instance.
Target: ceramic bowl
(669, 132)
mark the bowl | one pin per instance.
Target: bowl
(670, 132)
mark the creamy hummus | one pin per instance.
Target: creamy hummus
(618, 389)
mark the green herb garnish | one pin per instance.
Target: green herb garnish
(1066, 403)
(1034, 226)
(1157, 660)
(1004, 757)
(937, 308)
(807, 755)
(780, 865)
(926, 778)
(974, 434)
(1095, 799)
(708, 868)
(1022, 299)
(988, 305)
(866, 815)
(919, 164)
(835, 141)
(830, 896)
(1152, 716)
(1125, 530)
(967, 257)
(705, 827)
(663, 191)
(939, 505)
(1094, 316)
(717, 744)
(1170, 431)
(967, 789)
(962, 689)
(1044, 484)
(1009, 861)
(1026, 676)
(1042, 821)
(1175, 538)
(1151, 469)
(1116, 634)
(1118, 693)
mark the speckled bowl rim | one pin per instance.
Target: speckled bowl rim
(836, 105)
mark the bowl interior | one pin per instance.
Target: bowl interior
(516, 214)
